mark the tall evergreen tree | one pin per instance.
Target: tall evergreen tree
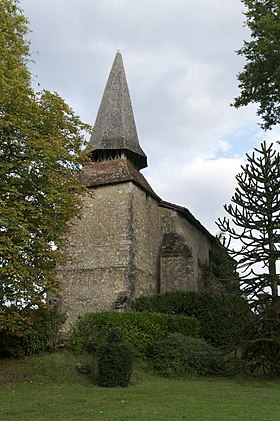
(259, 81)
(255, 225)
(40, 140)
(255, 222)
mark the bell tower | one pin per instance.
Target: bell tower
(127, 242)
(115, 135)
(109, 244)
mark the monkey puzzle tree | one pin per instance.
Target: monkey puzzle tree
(255, 225)
(255, 222)
(40, 139)
(260, 79)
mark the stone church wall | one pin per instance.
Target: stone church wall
(200, 246)
(183, 247)
(147, 239)
(126, 245)
(99, 249)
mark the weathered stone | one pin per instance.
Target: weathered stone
(127, 241)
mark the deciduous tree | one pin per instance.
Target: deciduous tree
(259, 81)
(40, 140)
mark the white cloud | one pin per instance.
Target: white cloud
(202, 185)
(181, 69)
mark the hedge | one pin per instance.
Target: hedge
(223, 317)
(139, 328)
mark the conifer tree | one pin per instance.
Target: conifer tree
(255, 223)
(40, 140)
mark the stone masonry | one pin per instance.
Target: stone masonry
(127, 241)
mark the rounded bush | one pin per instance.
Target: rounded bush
(115, 358)
(178, 355)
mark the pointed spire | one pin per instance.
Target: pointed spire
(115, 130)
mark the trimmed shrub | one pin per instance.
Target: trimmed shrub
(178, 355)
(223, 317)
(139, 328)
(37, 333)
(115, 357)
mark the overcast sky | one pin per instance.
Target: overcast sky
(181, 68)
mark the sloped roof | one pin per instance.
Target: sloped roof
(188, 216)
(112, 172)
(120, 171)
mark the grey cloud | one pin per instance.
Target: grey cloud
(181, 69)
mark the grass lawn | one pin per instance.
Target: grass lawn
(48, 387)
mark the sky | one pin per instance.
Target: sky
(181, 66)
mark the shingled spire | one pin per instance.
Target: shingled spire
(115, 135)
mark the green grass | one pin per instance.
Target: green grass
(48, 387)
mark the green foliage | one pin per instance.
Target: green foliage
(255, 220)
(178, 355)
(115, 335)
(140, 329)
(40, 140)
(221, 271)
(30, 331)
(223, 317)
(115, 358)
(260, 350)
(260, 79)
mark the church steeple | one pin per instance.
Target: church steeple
(115, 135)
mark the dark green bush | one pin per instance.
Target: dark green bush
(260, 349)
(178, 355)
(38, 333)
(115, 358)
(223, 317)
(140, 328)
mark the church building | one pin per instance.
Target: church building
(127, 242)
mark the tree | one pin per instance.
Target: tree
(260, 79)
(255, 225)
(255, 222)
(40, 141)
